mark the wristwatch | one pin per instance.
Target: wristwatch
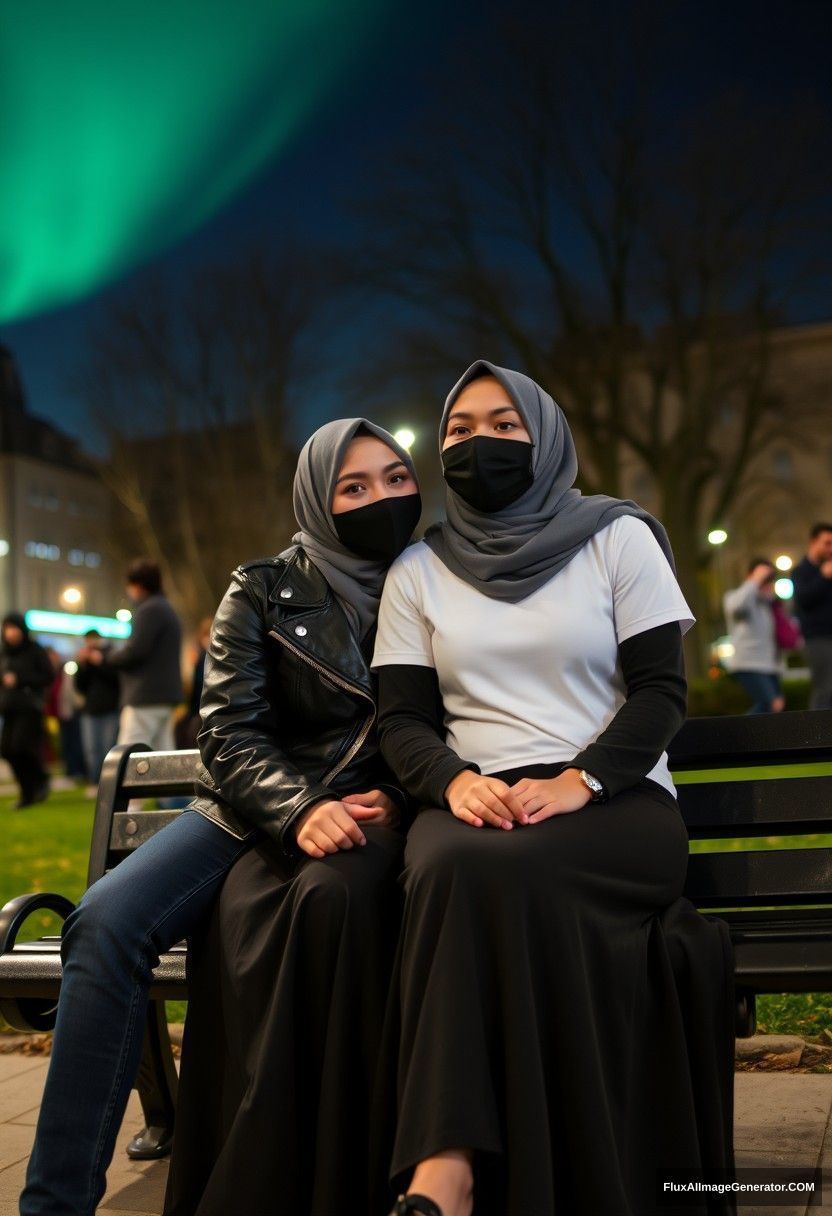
(597, 793)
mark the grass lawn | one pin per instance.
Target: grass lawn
(46, 847)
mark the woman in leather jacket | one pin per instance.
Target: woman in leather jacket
(292, 779)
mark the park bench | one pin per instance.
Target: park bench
(769, 775)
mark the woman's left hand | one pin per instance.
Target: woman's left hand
(384, 810)
(555, 796)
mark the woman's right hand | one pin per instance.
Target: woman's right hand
(327, 827)
(479, 800)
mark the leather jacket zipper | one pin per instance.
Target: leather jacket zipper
(358, 742)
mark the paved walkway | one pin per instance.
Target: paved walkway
(781, 1119)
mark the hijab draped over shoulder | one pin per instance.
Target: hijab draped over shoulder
(357, 581)
(511, 553)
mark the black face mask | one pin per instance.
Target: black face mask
(381, 529)
(488, 473)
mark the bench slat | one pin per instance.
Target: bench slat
(29, 970)
(131, 829)
(777, 807)
(799, 967)
(753, 739)
(170, 772)
(784, 876)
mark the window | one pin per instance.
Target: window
(42, 551)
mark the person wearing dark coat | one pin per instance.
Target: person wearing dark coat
(25, 675)
(98, 684)
(560, 1028)
(293, 783)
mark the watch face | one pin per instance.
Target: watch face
(592, 784)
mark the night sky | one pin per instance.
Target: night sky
(309, 146)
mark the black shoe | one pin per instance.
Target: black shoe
(24, 801)
(415, 1203)
(41, 791)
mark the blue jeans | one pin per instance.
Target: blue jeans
(762, 687)
(111, 943)
(98, 735)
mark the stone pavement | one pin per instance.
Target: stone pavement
(781, 1119)
(136, 1188)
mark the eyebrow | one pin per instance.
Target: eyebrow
(388, 468)
(501, 409)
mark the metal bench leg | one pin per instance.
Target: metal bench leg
(157, 1084)
(746, 1015)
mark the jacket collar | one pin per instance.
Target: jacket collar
(300, 584)
(306, 603)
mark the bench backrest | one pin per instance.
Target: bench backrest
(754, 777)
(737, 777)
(133, 771)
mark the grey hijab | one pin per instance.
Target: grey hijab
(357, 581)
(511, 553)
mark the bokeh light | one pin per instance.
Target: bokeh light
(784, 588)
(405, 438)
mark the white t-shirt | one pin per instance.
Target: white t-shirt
(539, 680)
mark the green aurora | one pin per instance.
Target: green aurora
(125, 125)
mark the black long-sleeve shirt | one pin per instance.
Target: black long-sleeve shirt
(412, 733)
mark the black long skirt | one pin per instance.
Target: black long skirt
(560, 1009)
(287, 993)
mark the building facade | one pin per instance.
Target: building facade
(55, 516)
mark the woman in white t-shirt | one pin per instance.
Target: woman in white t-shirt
(561, 1018)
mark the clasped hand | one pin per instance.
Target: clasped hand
(330, 826)
(486, 800)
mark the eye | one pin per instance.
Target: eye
(353, 489)
(458, 429)
(398, 479)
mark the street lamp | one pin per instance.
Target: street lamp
(71, 597)
(405, 438)
(783, 562)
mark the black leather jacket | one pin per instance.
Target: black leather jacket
(288, 708)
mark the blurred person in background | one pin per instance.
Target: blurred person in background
(149, 662)
(98, 684)
(25, 675)
(812, 579)
(63, 704)
(187, 727)
(757, 663)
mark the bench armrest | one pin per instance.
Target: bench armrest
(16, 911)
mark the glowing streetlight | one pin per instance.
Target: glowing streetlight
(405, 438)
(784, 588)
(71, 597)
(124, 614)
(783, 562)
(717, 537)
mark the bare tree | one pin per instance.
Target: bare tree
(638, 273)
(194, 394)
